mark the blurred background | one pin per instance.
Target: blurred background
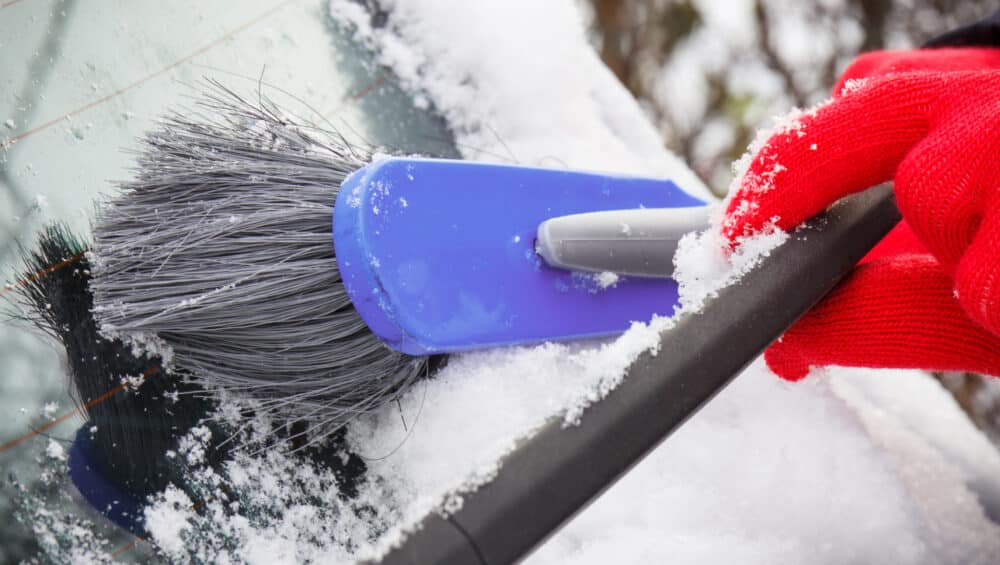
(80, 81)
(710, 73)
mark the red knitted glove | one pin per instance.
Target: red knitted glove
(931, 120)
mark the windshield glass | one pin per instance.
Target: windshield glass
(80, 82)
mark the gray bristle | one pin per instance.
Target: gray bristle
(222, 249)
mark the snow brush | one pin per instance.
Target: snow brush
(261, 254)
(234, 261)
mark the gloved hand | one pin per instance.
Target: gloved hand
(925, 298)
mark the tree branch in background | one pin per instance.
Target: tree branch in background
(772, 57)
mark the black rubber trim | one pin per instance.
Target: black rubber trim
(442, 542)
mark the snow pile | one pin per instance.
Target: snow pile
(703, 265)
(516, 82)
(263, 505)
(848, 466)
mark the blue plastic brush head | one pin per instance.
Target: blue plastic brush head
(440, 256)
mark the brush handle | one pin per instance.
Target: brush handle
(558, 471)
(638, 243)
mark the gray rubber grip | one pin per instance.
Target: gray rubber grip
(639, 243)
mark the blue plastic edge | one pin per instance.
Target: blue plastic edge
(103, 495)
(351, 249)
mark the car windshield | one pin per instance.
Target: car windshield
(79, 85)
(851, 464)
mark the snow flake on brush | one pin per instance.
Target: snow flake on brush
(142, 343)
(606, 279)
(354, 199)
(193, 445)
(594, 283)
(132, 382)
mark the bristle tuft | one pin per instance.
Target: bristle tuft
(132, 427)
(220, 254)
